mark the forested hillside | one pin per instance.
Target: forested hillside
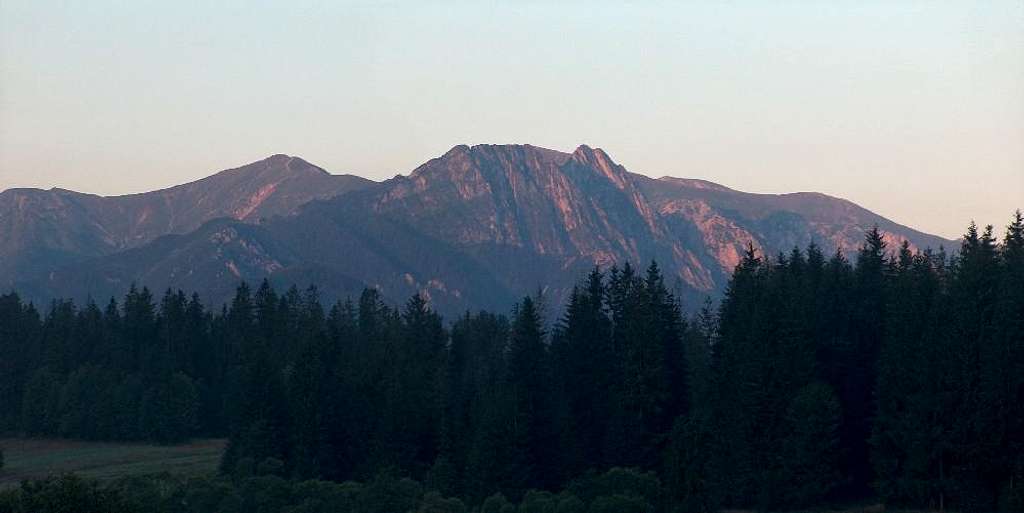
(899, 375)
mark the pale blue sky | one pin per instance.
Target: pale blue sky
(912, 109)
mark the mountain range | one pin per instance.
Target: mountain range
(477, 227)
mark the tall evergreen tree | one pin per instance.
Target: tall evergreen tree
(139, 329)
(585, 359)
(532, 434)
(261, 430)
(860, 352)
(973, 291)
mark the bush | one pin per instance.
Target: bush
(618, 481)
(270, 467)
(568, 503)
(64, 494)
(496, 503)
(433, 502)
(387, 493)
(620, 504)
(210, 495)
(538, 502)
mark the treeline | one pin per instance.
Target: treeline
(903, 373)
(126, 372)
(489, 405)
(267, 491)
(899, 375)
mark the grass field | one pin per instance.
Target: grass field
(38, 458)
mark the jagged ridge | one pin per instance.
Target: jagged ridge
(477, 226)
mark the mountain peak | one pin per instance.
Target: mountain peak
(597, 159)
(286, 165)
(527, 150)
(583, 149)
(488, 156)
(583, 154)
(520, 158)
(587, 155)
(278, 157)
(458, 149)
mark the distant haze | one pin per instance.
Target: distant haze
(912, 109)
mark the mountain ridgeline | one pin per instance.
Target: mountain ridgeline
(478, 226)
(45, 230)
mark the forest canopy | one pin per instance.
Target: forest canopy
(899, 375)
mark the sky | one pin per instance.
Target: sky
(914, 110)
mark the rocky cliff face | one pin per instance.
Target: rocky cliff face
(475, 227)
(551, 203)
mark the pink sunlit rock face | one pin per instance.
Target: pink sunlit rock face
(480, 225)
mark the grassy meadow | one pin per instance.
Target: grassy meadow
(29, 458)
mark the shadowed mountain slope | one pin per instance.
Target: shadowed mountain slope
(475, 227)
(42, 230)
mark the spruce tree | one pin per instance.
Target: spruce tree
(584, 354)
(1004, 372)
(974, 294)
(531, 437)
(811, 466)
(860, 354)
(262, 428)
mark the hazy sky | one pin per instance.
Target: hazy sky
(912, 109)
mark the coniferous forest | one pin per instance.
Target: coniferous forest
(895, 376)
